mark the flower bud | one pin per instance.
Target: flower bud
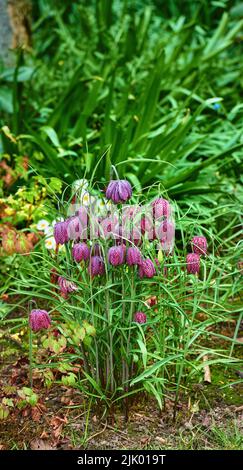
(193, 263)
(140, 317)
(199, 245)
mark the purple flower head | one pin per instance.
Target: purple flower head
(147, 226)
(140, 317)
(74, 228)
(146, 269)
(108, 227)
(193, 263)
(133, 256)
(96, 266)
(39, 320)
(199, 245)
(119, 191)
(61, 233)
(66, 287)
(166, 231)
(82, 214)
(80, 252)
(161, 208)
(116, 255)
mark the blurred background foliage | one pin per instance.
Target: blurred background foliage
(151, 86)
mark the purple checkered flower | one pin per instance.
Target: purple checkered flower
(147, 269)
(116, 255)
(80, 252)
(119, 191)
(193, 263)
(39, 320)
(140, 317)
(199, 245)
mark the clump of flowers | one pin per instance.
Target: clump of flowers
(119, 255)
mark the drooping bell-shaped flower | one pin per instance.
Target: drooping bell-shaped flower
(119, 191)
(61, 232)
(193, 263)
(80, 252)
(199, 245)
(96, 266)
(66, 287)
(39, 320)
(161, 208)
(146, 269)
(74, 228)
(140, 317)
(116, 255)
(134, 256)
(166, 231)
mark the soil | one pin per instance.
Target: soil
(63, 419)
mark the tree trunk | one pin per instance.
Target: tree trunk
(15, 26)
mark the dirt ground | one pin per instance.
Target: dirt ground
(206, 418)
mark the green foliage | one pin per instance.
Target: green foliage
(156, 92)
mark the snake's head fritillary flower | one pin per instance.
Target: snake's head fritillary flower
(39, 320)
(161, 208)
(140, 317)
(74, 228)
(82, 214)
(199, 245)
(96, 266)
(66, 287)
(80, 252)
(116, 255)
(193, 263)
(61, 233)
(108, 227)
(146, 269)
(134, 256)
(166, 231)
(119, 191)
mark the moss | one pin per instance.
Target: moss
(221, 390)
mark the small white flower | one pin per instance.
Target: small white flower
(49, 231)
(50, 243)
(42, 225)
(80, 184)
(86, 199)
(101, 207)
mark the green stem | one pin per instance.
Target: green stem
(31, 358)
(130, 322)
(123, 323)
